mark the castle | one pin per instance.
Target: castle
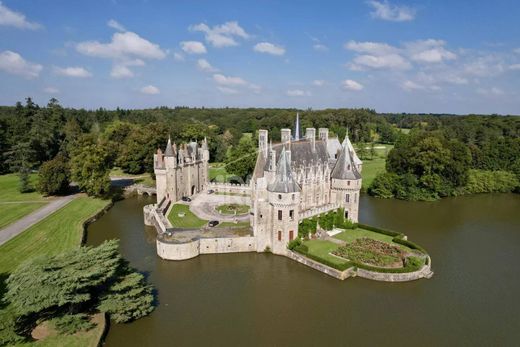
(297, 178)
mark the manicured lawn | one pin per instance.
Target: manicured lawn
(188, 221)
(370, 170)
(232, 209)
(217, 173)
(350, 235)
(13, 204)
(322, 248)
(59, 232)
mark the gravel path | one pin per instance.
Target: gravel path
(20, 225)
(203, 205)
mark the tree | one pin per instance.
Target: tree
(54, 176)
(79, 281)
(20, 160)
(241, 159)
(90, 166)
(372, 150)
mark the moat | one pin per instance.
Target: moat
(262, 299)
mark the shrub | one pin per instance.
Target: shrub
(385, 185)
(306, 226)
(380, 230)
(54, 176)
(294, 243)
(482, 181)
(70, 324)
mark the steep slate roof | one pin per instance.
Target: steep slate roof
(355, 158)
(297, 128)
(333, 147)
(168, 152)
(345, 168)
(284, 181)
(302, 153)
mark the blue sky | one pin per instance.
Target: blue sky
(392, 56)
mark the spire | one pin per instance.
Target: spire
(297, 127)
(168, 152)
(345, 168)
(284, 181)
(352, 151)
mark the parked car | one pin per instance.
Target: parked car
(213, 223)
(185, 198)
(211, 191)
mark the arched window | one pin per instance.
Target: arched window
(347, 198)
(279, 235)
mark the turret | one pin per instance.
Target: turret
(297, 131)
(310, 135)
(286, 135)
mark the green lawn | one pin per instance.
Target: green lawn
(188, 221)
(59, 232)
(350, 235)
(370, 170)
(230, 209)
(217, 173)
(13, 204)
(236, 225)
(322, 248)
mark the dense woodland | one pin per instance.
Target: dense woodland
(442, 155)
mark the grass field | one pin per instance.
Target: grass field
(59, 232)
(370, 170)
(352, 234)
(217, 173)
(230, 209)
(13, 204)
(188, 221)
(322, 248)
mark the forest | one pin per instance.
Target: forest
(434, 155)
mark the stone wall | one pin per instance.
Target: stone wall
(191, 249)
(318, 210)
(341, 275)
(230, 188)
(424, 272)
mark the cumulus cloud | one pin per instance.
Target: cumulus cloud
(227, 90)
(320, 47)
(386, 11)
(116, 25)
(228, 80)
(13, 63)
(351, 85)
(72, 71)
(204, 65)
(233, 84)
(150, 90)
(51, 90)
(410, 85)
(15, 19)
(484, 66)
(318, 83)
(389, 61)
(221, 35)
(429, 51)
(269, 48)
(193, 47)
(123, 46)
(121, 71)
(297, 92)
(373, 48)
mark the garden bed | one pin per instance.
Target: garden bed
(232, 209)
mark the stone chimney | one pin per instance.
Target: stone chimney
(262, 142)
(310, 135)
(286, 135)
(324, 134)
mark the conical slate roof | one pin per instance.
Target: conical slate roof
(284, 181)
(345, 169)
(297, 130)
(168, 152)
(353, 154)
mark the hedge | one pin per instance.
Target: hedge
(409, 244)
(304, 250)
(415, 266)
(381, 231)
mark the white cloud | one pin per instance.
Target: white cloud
(297, 92)
(178, 56)
(221, 35)
(15, 19)
(228, 81)
(72, 71)
(318, 83)
(150, 90)
(320, 47)
(484, 66)
(373, 48)
(121, 71)
(116, 25)
(429, 51)
(193, 47)
(386, 11)
(269, 48)
(14, 63)
(389, 61)
(351, 85)
(514, 67)
(410, 85)
(51, 90)
(227, 90)
(123, 46)
(204, 65)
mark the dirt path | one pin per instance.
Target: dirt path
(22, 224)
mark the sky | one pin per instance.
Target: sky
(439, 56)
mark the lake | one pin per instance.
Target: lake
(266, 300)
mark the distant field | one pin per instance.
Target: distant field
(13, 204)
(59, 232)
(370, 170)
(217, 172)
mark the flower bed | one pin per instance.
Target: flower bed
(372, 252)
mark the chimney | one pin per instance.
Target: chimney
(262, 142)
(310, 135)
(286, 135)
(324, 134)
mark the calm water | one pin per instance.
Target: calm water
(266, 300)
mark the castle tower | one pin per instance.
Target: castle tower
(346, 183)
(355, 158)
(284, 200)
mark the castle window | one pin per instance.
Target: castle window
(279, 196)
(293, 196)
(291, 214)
(348, 167)
(291, 235)
(279, 214)
(348, 183)
(347, 198)
(279, 235)
(355, 197)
